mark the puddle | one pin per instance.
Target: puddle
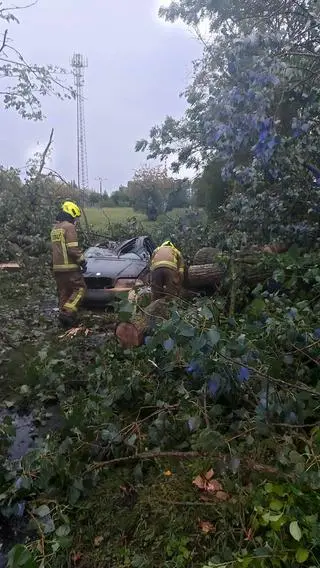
(28, 435)
(12, 529)
(24, 438)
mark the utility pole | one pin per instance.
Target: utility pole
(79, 63)
(100, 180)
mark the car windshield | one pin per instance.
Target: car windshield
(99, 252)
(138, 248)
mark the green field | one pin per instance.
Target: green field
(101, 218)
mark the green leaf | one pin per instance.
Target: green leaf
(295, 531)
(293, 252)
(63, 530)
(276, 505)
(257, 306)
(206, 313)
(302, 555)
(126, 311)
(275, 518)
(186, 330)
(42, 511)
(213, 336)
(19, 556)
(132, 440)
(55, 546)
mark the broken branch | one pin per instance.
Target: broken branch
(4, 41)
(45, 153)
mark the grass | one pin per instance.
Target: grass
(100, 218)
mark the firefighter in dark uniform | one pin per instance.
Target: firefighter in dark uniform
(68, 263)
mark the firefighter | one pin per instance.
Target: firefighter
(167, 271)
(68, 260)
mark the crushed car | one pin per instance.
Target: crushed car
(113, 269)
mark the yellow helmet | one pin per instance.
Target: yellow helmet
(168, 244)
(72, 209)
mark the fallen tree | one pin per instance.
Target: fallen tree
(245, 268)
(210, 276)
(245, 265)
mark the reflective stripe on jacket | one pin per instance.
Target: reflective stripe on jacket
(167, 257)
(66, 254)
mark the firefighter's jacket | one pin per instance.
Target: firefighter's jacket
(66, 254)
(168, 257)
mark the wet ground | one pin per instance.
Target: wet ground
(28, 432)
(27, 436)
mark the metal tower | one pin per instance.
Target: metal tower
(79, 64)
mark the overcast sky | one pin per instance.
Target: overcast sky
(138, 65)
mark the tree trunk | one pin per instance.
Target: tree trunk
(203, 276)
(210, 276)
(131, 334)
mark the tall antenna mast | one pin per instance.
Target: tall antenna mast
(79, 63)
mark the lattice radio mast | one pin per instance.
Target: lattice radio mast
(79, 64)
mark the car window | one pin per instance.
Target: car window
(149, 246)
(143, 253)
(128, 247)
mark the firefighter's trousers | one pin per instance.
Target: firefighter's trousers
(165, 282)
(71, 291)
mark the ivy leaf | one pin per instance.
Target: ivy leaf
(295, 531)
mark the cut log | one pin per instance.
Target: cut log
(129, 335)
(205, 255)
(132, 334)
(9, 266)
(203, 276)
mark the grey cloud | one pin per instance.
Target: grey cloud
(137, 67)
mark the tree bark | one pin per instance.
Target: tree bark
(210, 276)
(131, 334)
(203, 276)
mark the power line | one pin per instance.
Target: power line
(100, 180)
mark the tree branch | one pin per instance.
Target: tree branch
(147, 456)
(67, 183)
(251, 464)
(15, 8)
(5, 35)
(301, 387)
(45, 153)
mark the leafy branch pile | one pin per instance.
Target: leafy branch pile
(200, 448)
